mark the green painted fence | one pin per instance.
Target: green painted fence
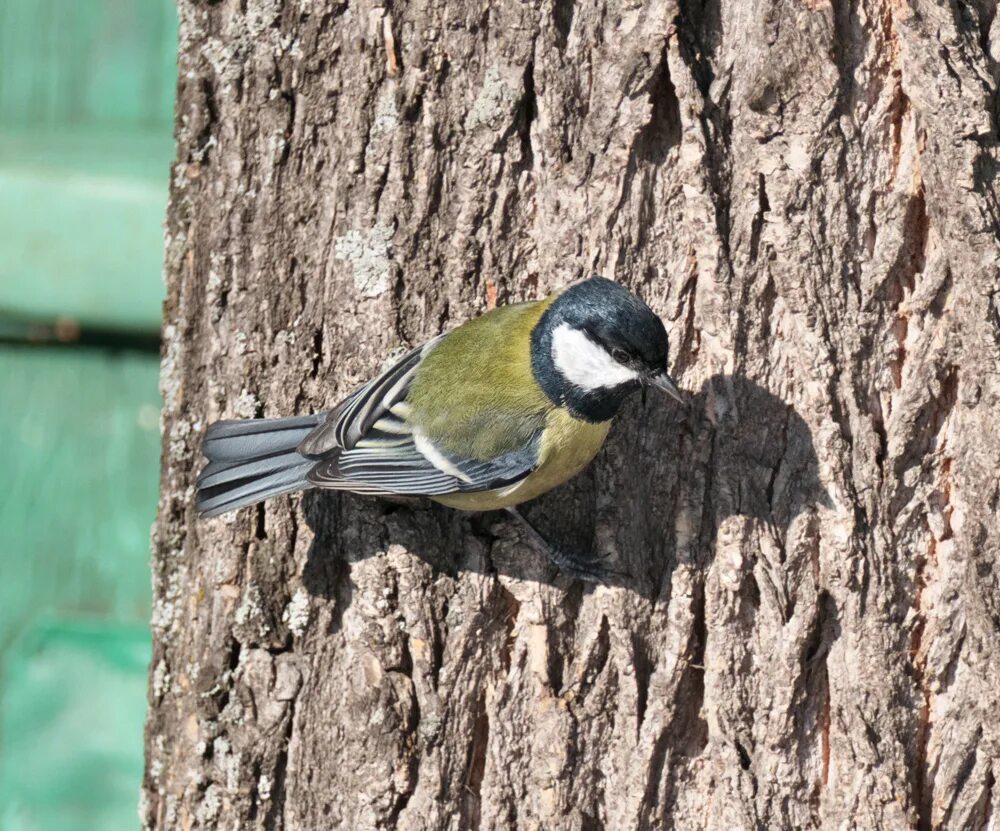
(81, 454)
(86, 92)
(102, 63)
(86, 99)
(72, 712)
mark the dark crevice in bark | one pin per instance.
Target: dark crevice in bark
(937, 305)
(847, 53)
(716, 126)
(757, 227)
(922, 780)
(562, 20)
(987, 800)
(750, 596)
(471, 799)
(510, 610)
(768, 301)
(649, 152)
(898, 109)
(293, 533)
(203, 142)
(687, 351)
(526, 117)
(317, 353)
(923, 434)
(260, 522)
(881, 435)
(232, 663)
(663, 130)
(286, 148)
(949, 674)
(255, 798)
(378, 187)
(274, 818)
(594, 664)
(695, 30)
(745, 761)
(405, 663)
(520, 125)
(643, 665)
(694, 695)
(813, 729)
(403, 797)
(602, 652)
(873, 738)
(555, 659)
(948, 65)
(717, 131)
(440, 638)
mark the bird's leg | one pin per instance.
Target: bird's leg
(589, 569)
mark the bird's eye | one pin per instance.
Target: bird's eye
(620, 355)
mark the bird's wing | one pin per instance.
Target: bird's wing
(368, 445)
(367, 412)
(414, 468)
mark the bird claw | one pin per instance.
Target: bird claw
(588, 568)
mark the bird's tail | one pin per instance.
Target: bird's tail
(251, 460)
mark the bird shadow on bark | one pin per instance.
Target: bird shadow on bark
(659, 491)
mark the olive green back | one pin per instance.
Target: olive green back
(475, 395)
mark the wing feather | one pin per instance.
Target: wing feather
(367, 445)
(348, 423)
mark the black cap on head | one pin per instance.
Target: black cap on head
(603, 314)
(616, 319)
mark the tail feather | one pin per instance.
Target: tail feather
(219, 473)
(252, 460)
(234, 495)
(241, 440)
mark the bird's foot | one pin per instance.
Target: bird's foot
(589, 568)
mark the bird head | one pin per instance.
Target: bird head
(596, 344)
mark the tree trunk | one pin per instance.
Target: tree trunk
(809, 632)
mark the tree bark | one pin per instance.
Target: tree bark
(809, 632)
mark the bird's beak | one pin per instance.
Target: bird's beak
(664, 382)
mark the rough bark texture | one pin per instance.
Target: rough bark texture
(810, 633)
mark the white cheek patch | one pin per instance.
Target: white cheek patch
(584, 363)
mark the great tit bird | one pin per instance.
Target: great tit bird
(484, 417)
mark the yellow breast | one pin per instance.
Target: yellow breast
(568, 445)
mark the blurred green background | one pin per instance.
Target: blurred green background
(86, 111)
